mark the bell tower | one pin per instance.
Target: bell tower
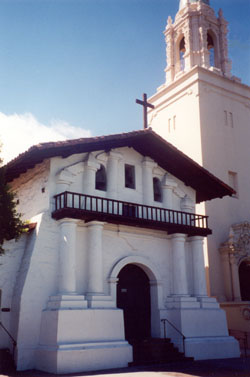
(204, 111)
(196, 38)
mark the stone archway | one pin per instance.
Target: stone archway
(155, 284)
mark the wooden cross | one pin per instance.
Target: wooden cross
(145, 105)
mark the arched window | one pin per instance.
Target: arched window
(157, 190)
(244, 275)
(100, 179)
(182, 50)
(210, 47)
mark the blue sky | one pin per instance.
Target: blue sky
(83, 63)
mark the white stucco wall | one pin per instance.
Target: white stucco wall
(74, 165)
(32, 191)
(10, 263)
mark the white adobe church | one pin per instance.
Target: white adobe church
(115, 246)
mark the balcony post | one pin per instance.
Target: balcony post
(90, 168)
(147, 180)
(112, 172)
(179, 265)
(199, 275)
(95, 258)
(168, 185)
(67, 256)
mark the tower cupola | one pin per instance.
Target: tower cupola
(197, 37)
(183, 3)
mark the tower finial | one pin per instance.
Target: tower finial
(184, 3)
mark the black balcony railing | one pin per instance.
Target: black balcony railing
(88, 207)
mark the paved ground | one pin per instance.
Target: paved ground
(208, 368)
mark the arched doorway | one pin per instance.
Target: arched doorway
(244, 276)
(133, 296)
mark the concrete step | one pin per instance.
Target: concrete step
(6, 361)
(155, 350)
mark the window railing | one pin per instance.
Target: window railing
(80, 205)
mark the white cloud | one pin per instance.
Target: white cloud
(18, 132)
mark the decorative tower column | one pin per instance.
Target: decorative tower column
(112, 174)
(199, 276)
(179, 265)
(169, 38)
(147, 180)
(226, 63)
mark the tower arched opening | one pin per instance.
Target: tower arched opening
(212, 49)
(182, 50)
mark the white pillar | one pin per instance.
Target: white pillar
(67, 258)
(168, 186)
(112, 174)
(179, 265)
(187, 205)
(235, 278)
(95, 264)
(90, 168)
(147, 180)
(199, 275)
(64, 179)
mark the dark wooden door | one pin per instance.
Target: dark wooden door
(133, 296)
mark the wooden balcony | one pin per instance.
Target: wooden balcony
(89, 208)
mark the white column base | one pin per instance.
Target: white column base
(182, 302)
(77, 340)
(206, 348)
(100, 301)
(67, 302)
(83, 357)
(208, 302)
(204, 327)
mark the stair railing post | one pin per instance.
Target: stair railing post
(164, 320)
(164, 328)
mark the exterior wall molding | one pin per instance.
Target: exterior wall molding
(233, 252)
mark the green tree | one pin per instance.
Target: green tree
(11, 225)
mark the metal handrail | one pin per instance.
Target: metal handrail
(11, 337)
(164, 320)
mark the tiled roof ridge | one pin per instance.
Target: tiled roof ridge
(144, 141)
(72, 142)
